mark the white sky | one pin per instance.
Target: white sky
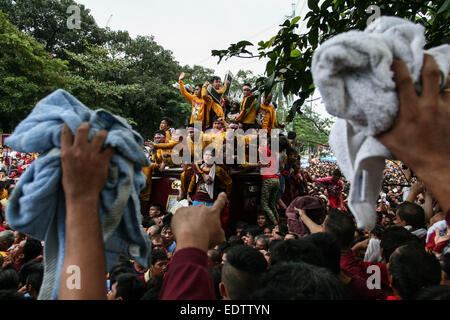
(191, 29)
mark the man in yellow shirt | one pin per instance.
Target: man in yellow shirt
(213, 107)
(198, 103)
(249, 108)
(266, 114)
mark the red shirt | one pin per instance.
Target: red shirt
(334, 189)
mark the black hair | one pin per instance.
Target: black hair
(292, 135)
(445, 265)
(129, 287)
(215, 256)
(10, 295)
(291, 151)
(294, 250)
(283, 143)
(167, 219)
(242, 271)
(264, 238)
(216, 275)
(341, 226)
(168, 120)
(438, 292)
(35, 276)
(300, 281)
(331, 252)
(198, 85)
(156, 205)
(147, 221)
(235, 240)
(253, 230)
(31, 249)
(412, 268)
(9, 279)
(25, 269)
(394, 237)
(117, 270)
(412, 214)
(214, 78)
(337, 173)
(158, 255)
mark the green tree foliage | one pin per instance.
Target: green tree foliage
(46, 21)
(27, 74)
(289, 53)
(311, 129)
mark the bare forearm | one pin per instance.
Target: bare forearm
(84, 251)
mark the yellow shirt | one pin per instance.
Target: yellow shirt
(247, 116)
(266, 117)
(198, 104)
(211, 104)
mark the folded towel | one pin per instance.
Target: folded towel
(37, 205)
(353, 74)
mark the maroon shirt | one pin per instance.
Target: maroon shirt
(188, 277)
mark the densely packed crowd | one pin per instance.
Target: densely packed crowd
(303, 244)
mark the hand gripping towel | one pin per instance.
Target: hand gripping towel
(353, 74)
(37, 204)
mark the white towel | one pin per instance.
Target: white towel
(353, 74)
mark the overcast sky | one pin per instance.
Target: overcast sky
(191, 29)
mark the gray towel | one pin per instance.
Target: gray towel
(353, 74)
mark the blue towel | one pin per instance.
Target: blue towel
(37, 205)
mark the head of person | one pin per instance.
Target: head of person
(267, 231)
(214, 258)
(410, 214)
(394, 237)
(291, 236)
(342, 227)
(249, 235)
(261, 219)
(160, 136)
(336, 175)
(246, 90)
(300, 281)
(155, 210)
(191, 130)
(128, 287)
(9, 279)
(208, 156)
(217, 124)
(167, 235)
(261, 242)
(27, 250)
(35, 276)
(240, 227)
(411, 268)
(327, 245)
(292, 155)
(165, 124)
(158, 263)
(292, 135)
(216, 82)
(157, 242)
(198, 90)
(242, 272)
(6, 239)
(294, 250)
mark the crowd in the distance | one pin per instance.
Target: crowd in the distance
(302, 244)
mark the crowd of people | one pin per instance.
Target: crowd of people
(303, 244)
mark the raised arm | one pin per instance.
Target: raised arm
(84, 173)
(185, 94)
